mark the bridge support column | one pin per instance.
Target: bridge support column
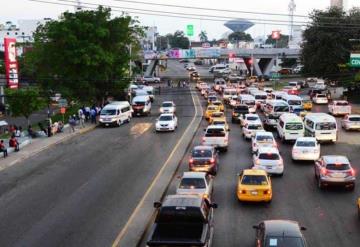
(268, 66)
(257, 69)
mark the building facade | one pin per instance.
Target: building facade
(337, 3)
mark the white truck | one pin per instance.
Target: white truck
(339, 107)
(216, 136)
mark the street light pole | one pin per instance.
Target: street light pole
(130, 72)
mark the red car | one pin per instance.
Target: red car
(291, 90)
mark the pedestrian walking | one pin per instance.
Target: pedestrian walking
(93, 116)
(169, 83)
(3, 149)
(72, 123)
(81, 117)
(87, 113)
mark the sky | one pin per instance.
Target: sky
(13, 10)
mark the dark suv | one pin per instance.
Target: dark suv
(204, 159)
(239, 110)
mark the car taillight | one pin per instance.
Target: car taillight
(266, 192)
(324, 171)
(203, 139)
(352, 172)
(243, 191)
(191, 161)
(257, 162)
(226, 139)
(212, 160)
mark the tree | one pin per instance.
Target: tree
(178, 40)
(161, 43)
(280, 43)
(326, 42)
(203, 36)
(236, 37)
(24, 101)
(84, 55)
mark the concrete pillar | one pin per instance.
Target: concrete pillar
(269, 66)
(257, 69)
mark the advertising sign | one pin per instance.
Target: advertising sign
(207, 53)
(190, 30)
(11, 65)
(275, 34)
(355, 60)
(181, 53)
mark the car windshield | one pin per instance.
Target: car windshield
(201, 153)
(254, 127)
(264, 139)
(305, 144)
(354, 119)
(321, 96)
(252, 118)
(215, 133)
(284, 108)
(342, 103)
(218, 123)
(212, 98)
(108, 112)
(254, 180)
(241, 108)
(165, 118)
(260, 97)
(212, 108)
(137, 103)
(167, 105)
(338, 167)
(249, 102)
(217, 114)
(192, 183)
(269, 156)
(294, 102)
(326, 126)
(284, 242)
(217, 103)
(294, 126)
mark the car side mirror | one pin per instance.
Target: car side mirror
(204, 129)
(157, 204)
(302, 228)
(213, 205)
(256, 227)
(228, 129)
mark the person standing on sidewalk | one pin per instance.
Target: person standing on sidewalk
(72, 123)
(81, 116)
(3, 148)
(93, 115)
(13, 142)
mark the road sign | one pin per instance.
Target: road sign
(275, 76)
(355, 60)
(63, 103)
(190, 30)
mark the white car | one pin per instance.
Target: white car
(249, 118)
(306, 148)
(263, 139)
(269, 159)
(351, 122)
(166, 122)
(320, 98)
(198, 183)
(151, 79)
(168, 107)
(233, 101)
(249, 130)
(339, 107)
(216, 136)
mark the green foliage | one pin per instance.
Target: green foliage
(203, 36)
(178, 40)
(357, 77)
(236, 37)
(288, 62)
(84, 55)
(24, 101)
(327, 41)
(280, 43)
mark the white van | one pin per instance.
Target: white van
(277, 95)
(260, 97)
(290, 126)
(294, 101)
(141, 105)
(228, 93)
(216, 68)
(249, 100)
(115, 113)
(276, 107)
(322, 126)
(296, 84)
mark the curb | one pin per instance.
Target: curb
(137, 224)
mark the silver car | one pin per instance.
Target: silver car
(334, 170)
(351, 122)
(198, 183)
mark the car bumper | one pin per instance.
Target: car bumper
(169, 128)
(254, 198)
(337, 181)
(271, 169)
(202, 168)
(305, 156)
(352, 127)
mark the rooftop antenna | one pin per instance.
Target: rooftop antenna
(78, 6)
(292, 8)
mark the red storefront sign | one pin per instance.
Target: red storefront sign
(11, 65)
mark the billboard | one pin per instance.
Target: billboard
(11, 65)
(181, 53)
(208, 53)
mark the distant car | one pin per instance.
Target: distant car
(351, 122)
(191, 68)
(248, 118)
(306, 148)
(249, 129)
(264, 78)
(269, 159)
(218, 114)
(195, 75)
(209, 110)
(311, 79)
(285, 71)
(184, 61)
(150, 79)
(339, 107)
(166, 122)
(219, 104)
(168, 107)
(198, 183)
(307, 103)
(320, 99)
(281, 233)
(238, 111)
(198, 62)
(262, 139)
(254, 185)
(224, 71)
(291, 90)
(204, 159)
(334, 170)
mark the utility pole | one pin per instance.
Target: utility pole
(130, 61)
(292, 8)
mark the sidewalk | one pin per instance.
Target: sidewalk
(30, 147)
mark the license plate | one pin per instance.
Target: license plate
(269, 167)
(337, 175)
(305, 151)
(254, 193)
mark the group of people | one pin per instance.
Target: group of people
(85, 114)
(15, 133)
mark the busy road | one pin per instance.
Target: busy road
(82, 192)
(330, 215)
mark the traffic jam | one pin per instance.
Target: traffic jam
(265, 117)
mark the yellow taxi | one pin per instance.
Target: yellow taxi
(254, 185)
(209, 110)
(219, 104)
(307, 103)
(220, 121)
(216, 114)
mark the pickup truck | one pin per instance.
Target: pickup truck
(183, 220)
(339, 107)
(216, 136)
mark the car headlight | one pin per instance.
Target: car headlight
(161, 110)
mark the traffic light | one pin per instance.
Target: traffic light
(250, 61)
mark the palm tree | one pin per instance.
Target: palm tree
(203, 36)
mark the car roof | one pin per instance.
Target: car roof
(256, 122)
(216, 127)
(194, 175)
(308, 138)
(264, 133)
(141, 97)
(254, 172)
(320, 115)
(182, 201)
(335, 159)
(203, 147)
(279, 228)
(251, 115)
(166, 114)
(353, 115)
(268, 150)
(172, 102)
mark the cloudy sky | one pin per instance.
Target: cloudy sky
(203, 18)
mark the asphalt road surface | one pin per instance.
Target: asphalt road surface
(82, 192)
(330, 215)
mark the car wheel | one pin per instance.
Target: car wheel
(225, 149)
(118, 123)
(352, 187)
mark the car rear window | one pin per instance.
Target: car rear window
(215, 133)
(294, 102)
(202, 153)
(355, 119)
(139, 103)
(167, 105)
(342, 103)
(192, 183)
(321, 96)
(269, 156)
(325, 126)
(254, 127)
(305, 144)
(165, 118)
(241, 108)
(284, 108)
(108, 112)
(294, 126)
(249, 102)
(264, 139)
(217, 114)
(254, 180)
(260, 97)
(252, 118)
(218, 123)
(338, 167)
